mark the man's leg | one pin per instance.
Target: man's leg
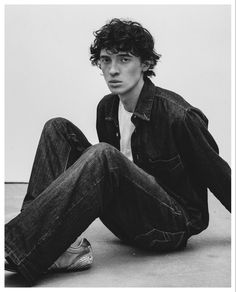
(100, 181)
(60, 145)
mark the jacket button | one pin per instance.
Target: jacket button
(117, 134)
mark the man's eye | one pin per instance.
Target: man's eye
(124, 60)
(105, 60)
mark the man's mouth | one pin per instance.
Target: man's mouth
(114, 81)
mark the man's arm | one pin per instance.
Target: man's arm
(200, 155)
(100, 123)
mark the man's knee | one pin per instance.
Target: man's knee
(54, 123)
(103, 151)
(103, 148)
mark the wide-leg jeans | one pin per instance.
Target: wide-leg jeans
(71, 184)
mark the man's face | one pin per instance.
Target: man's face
(122, 71)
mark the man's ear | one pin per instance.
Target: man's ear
(146, 65)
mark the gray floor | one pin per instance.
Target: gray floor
(206, 262)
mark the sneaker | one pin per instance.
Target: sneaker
(10, 266)
(76, 258)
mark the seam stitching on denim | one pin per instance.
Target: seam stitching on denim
(42, 238)
(161, 203)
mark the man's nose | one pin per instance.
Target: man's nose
(114, 70)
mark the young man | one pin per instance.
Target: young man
(147, 183)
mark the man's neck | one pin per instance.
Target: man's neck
(130, 99)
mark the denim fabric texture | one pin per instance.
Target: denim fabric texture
(72, 183)
(171, 141)
(155, 203)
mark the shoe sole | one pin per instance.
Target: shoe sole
(84, 263)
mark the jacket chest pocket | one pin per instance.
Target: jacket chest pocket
(169, 172)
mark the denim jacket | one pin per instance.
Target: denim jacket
(171, 142)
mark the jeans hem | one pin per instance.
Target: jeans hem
(21, 268)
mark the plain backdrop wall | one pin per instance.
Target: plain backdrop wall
(48, 72)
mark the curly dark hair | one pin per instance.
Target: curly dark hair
(127, 36)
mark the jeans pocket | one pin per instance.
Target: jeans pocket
(161, 240)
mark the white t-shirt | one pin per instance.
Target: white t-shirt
(126, 130)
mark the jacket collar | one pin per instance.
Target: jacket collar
(144, 105)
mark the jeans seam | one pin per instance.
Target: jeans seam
(11, 252)
(68, 155)
(13, 257)
(180, 240)
(165, 235)
(161, 203)
(44, 236)
(58, 128)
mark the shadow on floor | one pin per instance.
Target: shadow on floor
(206, 261)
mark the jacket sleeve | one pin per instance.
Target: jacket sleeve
(200, 154)
(100, 123)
